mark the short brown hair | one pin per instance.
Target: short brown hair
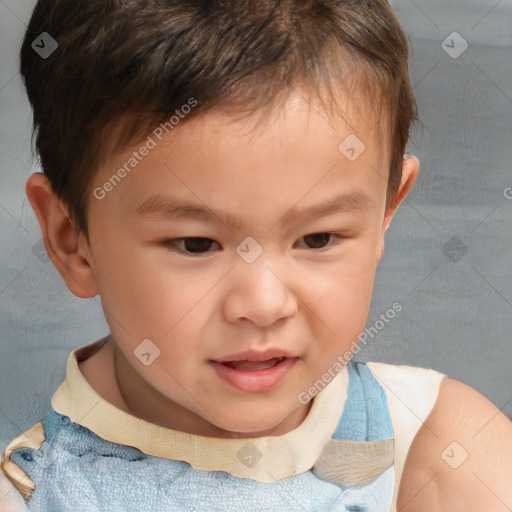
(139, 60)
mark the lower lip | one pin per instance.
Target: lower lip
(254, 380)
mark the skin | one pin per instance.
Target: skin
(311, 302)
(482, 482)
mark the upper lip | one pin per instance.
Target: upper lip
(254, 355)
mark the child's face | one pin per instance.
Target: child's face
(307, 296)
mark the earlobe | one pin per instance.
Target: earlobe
(410, 171)
(62, 240)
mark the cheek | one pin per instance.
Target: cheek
(155, 305)
(161, 302)
(339, 297)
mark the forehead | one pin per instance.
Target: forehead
(297, 148)
(303, 113)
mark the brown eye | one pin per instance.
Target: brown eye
(317, 240)
(198, 244)
(190, 245)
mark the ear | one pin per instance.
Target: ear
(66, 247)
(410, 171)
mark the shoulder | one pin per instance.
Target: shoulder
(461, 457)
(403, 380)
(411, 393)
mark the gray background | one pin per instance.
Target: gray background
(448, 252)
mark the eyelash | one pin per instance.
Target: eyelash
(171, 244)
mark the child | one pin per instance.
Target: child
(222, 174)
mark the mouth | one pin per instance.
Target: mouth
(254, 376)
(254, 365)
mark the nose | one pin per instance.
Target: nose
(259, 294)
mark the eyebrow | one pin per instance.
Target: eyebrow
(164, 208)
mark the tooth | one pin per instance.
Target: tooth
(255, 365)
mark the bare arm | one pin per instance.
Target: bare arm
(461, 458)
